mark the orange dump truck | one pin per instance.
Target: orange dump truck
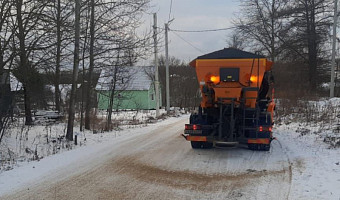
(237, 105)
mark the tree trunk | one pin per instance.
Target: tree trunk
(311, 42)
(272, 42)
(89, 80)
(27, 99)
(24, 65)
(113, 89)
(83, 74)
(57, 69)
(69, 134)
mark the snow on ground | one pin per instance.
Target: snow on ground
(40, 150)
(126, 116)
(309, 135)
(146, 162)
(74, 160)
(302, 139)
(315, 165)
(22, 144)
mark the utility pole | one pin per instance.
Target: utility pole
(333, 48)
(156, 63)
(167, 69)
(69, 134)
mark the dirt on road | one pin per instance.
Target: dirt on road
(160, 164)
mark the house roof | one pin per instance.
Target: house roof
(128, 78)
(230, 53)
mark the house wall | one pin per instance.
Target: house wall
(151, 92)
(132, 99)
(127, 100)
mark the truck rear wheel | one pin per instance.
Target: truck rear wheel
(259, 147)
(207, 145)
(201, 145)
(266, 147)
(196, 145)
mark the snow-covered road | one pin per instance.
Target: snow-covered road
(155, 162)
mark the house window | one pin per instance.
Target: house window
(152, 97)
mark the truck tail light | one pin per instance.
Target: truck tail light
(260, 128)
(193, 127)
(188, 127)
(264, 129)
(196, 127)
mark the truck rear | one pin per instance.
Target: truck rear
(237, 100)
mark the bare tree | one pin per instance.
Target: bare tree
(112, 29)
(29, 34)
(183, 81)
(91, 66)
(58, 39)
(260, 24)
(288, 31)
(7, 28)
(236, 41)
(116, 77)
(308, 31)
(62, 14)
(70, 124)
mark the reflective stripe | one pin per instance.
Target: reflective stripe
(196, 138)
(259, 141)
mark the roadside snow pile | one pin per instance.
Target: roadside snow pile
(315, 166)
(320, 118)
(131, 118)
(27, 143)
(22, 144)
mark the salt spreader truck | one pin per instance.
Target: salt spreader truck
(237, 100)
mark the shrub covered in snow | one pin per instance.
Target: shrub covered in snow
(46, 137)
(312, 117)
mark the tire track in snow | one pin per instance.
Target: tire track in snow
(130, 166)
(289, 167)
(161, 165)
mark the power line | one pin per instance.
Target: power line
(200, 31)
(187, 42)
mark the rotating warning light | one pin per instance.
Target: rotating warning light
(253, 78)
(215, 79)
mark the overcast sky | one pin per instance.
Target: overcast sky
(194, 15)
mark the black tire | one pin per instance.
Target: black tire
(266, 147)
(259, 147)
(207, 145)
(251, 146)
(196, 145)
